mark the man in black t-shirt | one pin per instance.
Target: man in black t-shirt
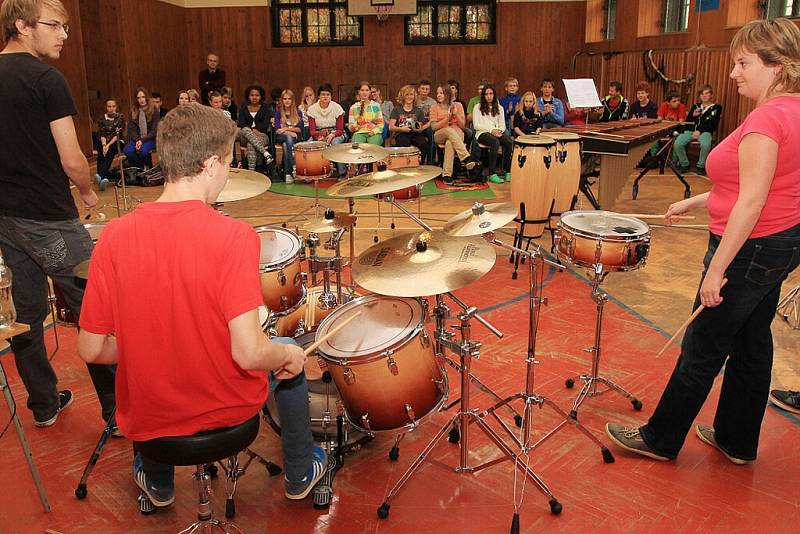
(40, 233)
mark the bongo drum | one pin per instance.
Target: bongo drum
(531, 179)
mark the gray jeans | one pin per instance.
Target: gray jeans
(34, 250)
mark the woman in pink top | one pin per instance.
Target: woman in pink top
(754, 244)
(447, 120)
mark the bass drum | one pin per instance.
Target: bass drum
(324, 405)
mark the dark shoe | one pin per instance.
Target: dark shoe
(630, 439)
(701, 171)
(684, 168)
(64, 400)
(786, 400)
(300, 490)
(160, 497)
(468, 163)
(115, 432)
(706, 434)
(447, 179)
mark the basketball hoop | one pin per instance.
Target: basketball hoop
(383, 11)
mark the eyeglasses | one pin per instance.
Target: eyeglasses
(57, 26)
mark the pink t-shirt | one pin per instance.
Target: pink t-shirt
(778, 119)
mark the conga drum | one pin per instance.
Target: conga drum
(309, 162)
(401, 157)
(565, 171)
(531, 180)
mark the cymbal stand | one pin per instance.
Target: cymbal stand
(466, 349)
(390, 198)
(316, 205)
(590, 381)
(788, 307)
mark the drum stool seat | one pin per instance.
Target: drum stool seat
(200, 449)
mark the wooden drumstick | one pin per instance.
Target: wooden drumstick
(686, 323)
(657, 216)
(311, 348)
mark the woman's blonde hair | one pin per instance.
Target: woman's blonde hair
(775, 42)
(307, 90)
(292, 118)
(402, 93)
(521, 106)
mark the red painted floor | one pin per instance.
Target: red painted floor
(699, 492)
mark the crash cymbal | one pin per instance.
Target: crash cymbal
(328, 223)
(355, 153)
(374, 183)
(243, 184)
(81, 270)
(423, 263)
(480, 219)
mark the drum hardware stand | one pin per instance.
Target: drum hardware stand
(789, 308)
(316, 205)
(590, 381)
(518, 254)
(466, 349)
(660, 160)
(585, 186)
(327, 299)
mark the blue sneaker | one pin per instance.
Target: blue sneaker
(103, 184)
(97, 179)
(300, 490)
(160, 497)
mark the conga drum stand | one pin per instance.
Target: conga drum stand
(591, 381)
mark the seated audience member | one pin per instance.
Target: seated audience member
(510, 101)
(615, 107)
(551, 107)
(527, 120)
(288, 128)
(424, 100)
(194, 96)
(349, 100)
(228, 104)
(455, 93)
(447, 120)
(183, 98)
(643, 108)
(365, 119)
(490, 130)
(200, 357)
(275, 100)
(386, 105)
(215, 101)
(155, 96)
(306, 101)
(475, 99)
(109, 130)
(407, 123)
(211, 78)
(326, 121)
(706, 116)
(245, 136)
(574, 116)
(672, 109)
(142, 130)
(255, 115)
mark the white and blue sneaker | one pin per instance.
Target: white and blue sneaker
(319, 464)
(160, 497)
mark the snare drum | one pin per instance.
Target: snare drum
(279, 265)
(590, 238)
(531, 181)
(309, 162)
(324, 405)
(383, 364)
(401, 157)
(566, 171)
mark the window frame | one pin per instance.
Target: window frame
(610, 23)
(304, 6)
(775, 8)
(675, 14)
(464, 4)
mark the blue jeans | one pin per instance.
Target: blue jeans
(296, 439)
(139, 158)
(288, 142)
(679, 148)
(735, 334)
(34, 250)
(341, 167)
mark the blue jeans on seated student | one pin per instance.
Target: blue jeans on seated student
(341, 167)
(141, 157)
(679, 148)
(288, 142)
(296, 439)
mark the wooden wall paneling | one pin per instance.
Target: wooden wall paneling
(595, 20)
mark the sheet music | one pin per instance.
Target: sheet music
(582, 93)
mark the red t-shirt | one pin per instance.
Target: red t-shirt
(778, 119)
(667, 112)
(166, 279)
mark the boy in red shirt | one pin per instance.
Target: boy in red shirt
(672, 109)
(173, 297)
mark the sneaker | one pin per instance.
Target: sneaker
(115, 432)
(447, 179)
(289, 179)
(508, 177)
(496, 179)
(319, 464)
(103, 184)
(706, 434)
(786, 400)
(97, 179)
(468, 163)
(268, 158)
(630, 439)
(160, 497)
(684, 168)
(64, 400)
(701, 171)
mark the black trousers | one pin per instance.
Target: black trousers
(493, 143)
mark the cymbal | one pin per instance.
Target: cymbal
(243, 184)
(423, 263)
(374, 183)
(355, 153)
(81, 270)
(325, 225)
(480, 219)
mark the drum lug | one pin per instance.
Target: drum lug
(301, 328)
(284, 302)
(281, 277)
(521, 160)
(548, 159)
(425, 339)
(365, 424)
(390, 363)
(598, 252)
(349, 376)
(410, 414)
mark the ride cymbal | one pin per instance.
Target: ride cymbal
(423, 263)
(243, 184)
(480, 219)
(375, 183)
(355, 153)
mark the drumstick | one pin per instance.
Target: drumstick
(686, 324)
(311, 348)
(657, 216)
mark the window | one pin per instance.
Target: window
(452, 22)
(676, 15)
(314, 23)
(782, 8)
(610, 28)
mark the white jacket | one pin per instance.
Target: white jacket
(486, 123)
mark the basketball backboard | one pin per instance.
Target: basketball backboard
(383, 7)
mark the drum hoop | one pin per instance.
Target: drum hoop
(306, 148)
(395, 152)
(277, 265)
(543, 141)
(366, 358)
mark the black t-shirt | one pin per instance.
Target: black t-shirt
(33, 185)
(411, 119)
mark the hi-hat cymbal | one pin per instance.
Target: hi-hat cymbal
(374, 183)
(325, 225)
(423, 263)
(480, 219)
(81, 270)
(243, 184)
(355, 153)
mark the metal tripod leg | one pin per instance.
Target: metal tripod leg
(483, 387)
(80, 490)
